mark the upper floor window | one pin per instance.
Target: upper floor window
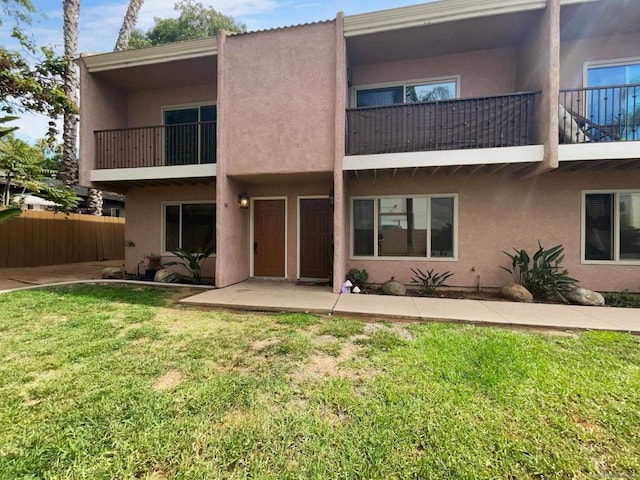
(611, 226)
(426, 91)
(190, 135)
(613, 99)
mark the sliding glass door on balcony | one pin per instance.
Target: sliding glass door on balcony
(190, 135)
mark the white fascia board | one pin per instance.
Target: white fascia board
(154, 173)
(431, 13)
(599, 151)
(150, 55)
(445, 158)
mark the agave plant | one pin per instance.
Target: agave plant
(429, 282)
(192, 262)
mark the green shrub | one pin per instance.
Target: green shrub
(358, 277)
(428, 283)
(542, 275)
(192, 262)
(622, 299)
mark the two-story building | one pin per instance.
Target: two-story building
(432, 136)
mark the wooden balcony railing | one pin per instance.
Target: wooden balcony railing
(498, 121)
(157, 146)
(600, 114)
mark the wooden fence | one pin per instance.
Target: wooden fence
(44, 238)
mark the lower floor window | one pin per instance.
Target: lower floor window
(417, 226)
(612, 226)
(190, 226)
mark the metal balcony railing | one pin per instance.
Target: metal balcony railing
(497, 121)
(156, 146)
(599, 114)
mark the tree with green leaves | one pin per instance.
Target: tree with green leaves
(195, 21)
(26, 169)
(30, 77)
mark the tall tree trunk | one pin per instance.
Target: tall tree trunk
(69, 170)
(128, 24)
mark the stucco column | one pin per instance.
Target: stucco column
(341, 201)
(232, 237)
(551, 89)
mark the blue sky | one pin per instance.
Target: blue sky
(100, 22)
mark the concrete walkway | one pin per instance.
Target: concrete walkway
(268, 295)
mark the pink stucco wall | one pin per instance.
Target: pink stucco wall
(144, 220)
(102, 107)
(482, 73)
(498, 213)
(145, 106)
(574, 54)
(281, 84)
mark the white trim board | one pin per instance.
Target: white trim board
(445, 158)
(598, 151)
(154, 173)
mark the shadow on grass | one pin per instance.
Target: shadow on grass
(126, 293)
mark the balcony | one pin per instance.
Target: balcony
(600, 114)
(157, 146)
(487, 122)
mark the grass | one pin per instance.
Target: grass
(120, 382)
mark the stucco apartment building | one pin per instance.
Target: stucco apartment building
(432, 136)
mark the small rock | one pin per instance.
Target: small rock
(112, 272)
(394, 287)
(516, 293)
(167, 276)
(582, 296)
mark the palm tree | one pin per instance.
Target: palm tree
(69, 168)
(128, 24)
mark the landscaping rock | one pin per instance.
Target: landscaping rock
(516, 293)
(394, 287)
(582, 296)
(167, 276)
(113, 273)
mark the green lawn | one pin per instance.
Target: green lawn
(120, 382)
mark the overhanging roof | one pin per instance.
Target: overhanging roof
(437, 12)
(151, 55)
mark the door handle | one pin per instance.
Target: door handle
(255, 248)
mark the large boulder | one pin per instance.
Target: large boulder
(167, 276)
(112, 273)
(582, 296)
(516, 293)
(394, 287)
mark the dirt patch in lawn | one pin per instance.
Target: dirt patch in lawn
(324, 365)
(171, 379)
(28, 276)
(397, 330)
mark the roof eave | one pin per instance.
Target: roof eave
(151, 55)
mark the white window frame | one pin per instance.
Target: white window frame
(616, 62)
(185, 106)
(376, 219)
(616, 228)
(404, 85)
(163, 220)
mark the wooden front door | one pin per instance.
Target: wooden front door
(268, 238)
(316, 238)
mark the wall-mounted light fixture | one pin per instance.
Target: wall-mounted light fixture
(243, 200)
(332, 197)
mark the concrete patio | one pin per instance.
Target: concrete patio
(269, 295)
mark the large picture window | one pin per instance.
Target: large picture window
(427, 91)
(190, 135)
(191, 226)
(411, 226)
(611, 226)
